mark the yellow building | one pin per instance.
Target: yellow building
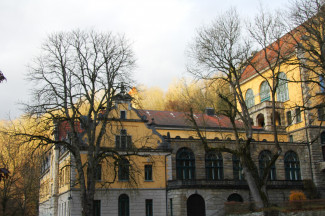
(135, 185)
(299, 105)
(171, 173)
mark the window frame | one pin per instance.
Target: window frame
(237, 168)
(98, 172)
(185, 164)
(149, 207)
(124, 201)
(321, 113)
(263, 159)
(214, 166)
(148, 172)
(97, 208)
(122, 114)
(292, 166)
(123, 140)
(282, 91)
(291, 138)
(249, 98)
(124, 170)
(264, 92)
(321, 84)
(289, 117)
(298, 115)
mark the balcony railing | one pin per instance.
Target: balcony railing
(233, 184)
(267, 104)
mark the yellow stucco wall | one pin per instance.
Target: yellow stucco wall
(294, 89)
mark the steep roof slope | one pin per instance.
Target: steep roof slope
(277, 51)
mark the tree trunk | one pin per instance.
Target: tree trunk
(254, 188)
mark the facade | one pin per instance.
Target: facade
(299, 108)
(174, 176)
(140, 179)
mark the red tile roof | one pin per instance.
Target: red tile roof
(261, 59)
(179, 119)
(64, 129)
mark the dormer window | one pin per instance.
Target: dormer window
(123, 141)
(122, 114)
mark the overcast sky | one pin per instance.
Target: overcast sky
(160, 31)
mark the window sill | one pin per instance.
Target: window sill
(148, 180)
(123, 180)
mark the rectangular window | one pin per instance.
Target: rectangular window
(96, 208)
(148, 172)
(322, 84)
(123, 141)
(98, 174)
(149, 207)
(298, 115)
(289, 118)
(321, 113)
(171, 206)
(291, 138)
(123, 114)
(123, 170)
(237, 169)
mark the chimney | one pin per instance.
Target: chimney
(209, 111)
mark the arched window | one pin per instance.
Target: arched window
(263, 160)
(123, 170)
(249, 98)
(214, 166)
(185, 164)
(292, 166)
(282, 89)
(123, 205)
(237, 168)
(265, 92)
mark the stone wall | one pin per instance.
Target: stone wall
(109, 201)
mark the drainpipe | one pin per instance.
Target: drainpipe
(56, 180)
(166, 182)
(56, 170)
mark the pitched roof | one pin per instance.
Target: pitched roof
(263, 58)
(181, 120)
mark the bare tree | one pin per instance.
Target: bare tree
(220, 51)
(75, 80)
(18, 191)
(2, 77)
(307, 19)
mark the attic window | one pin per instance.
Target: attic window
(123, 114)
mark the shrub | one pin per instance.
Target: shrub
(297, 195)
